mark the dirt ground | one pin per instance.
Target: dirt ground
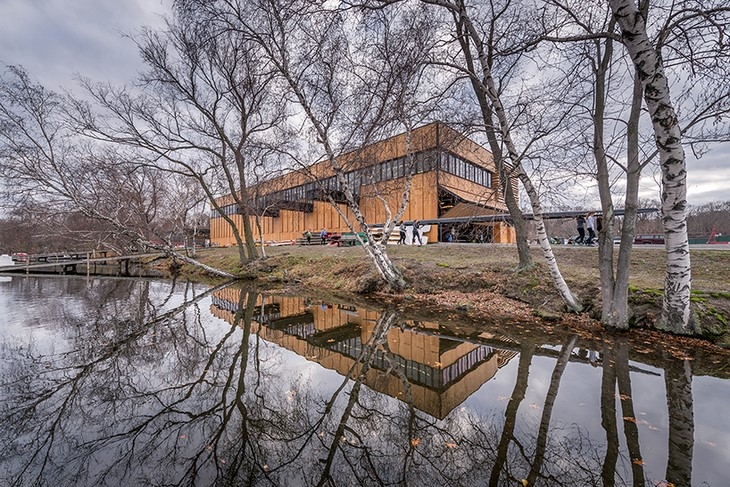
(479, 281)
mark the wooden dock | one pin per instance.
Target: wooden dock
(80, 263)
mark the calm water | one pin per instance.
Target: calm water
(127, 382)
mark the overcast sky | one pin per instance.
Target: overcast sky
(54, 39)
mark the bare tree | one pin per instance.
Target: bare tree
(646, 56)
(54, 171)
(208, 110)
(484, 80)
(355, 77)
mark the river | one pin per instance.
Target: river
(110, 382)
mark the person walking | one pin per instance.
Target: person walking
(323, 236)
(591, 227)
(581, 227)
(308, 235)
(402, 230)
(416, 233)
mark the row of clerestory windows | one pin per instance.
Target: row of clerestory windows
(393, 169)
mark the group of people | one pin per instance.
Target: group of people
(322, 235)
(416, 233)
(589, 223)
(402, 229)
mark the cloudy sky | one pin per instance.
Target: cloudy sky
(54, 39)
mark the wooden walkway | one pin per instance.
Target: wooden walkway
(66, 263)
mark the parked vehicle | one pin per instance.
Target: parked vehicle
(649, 239)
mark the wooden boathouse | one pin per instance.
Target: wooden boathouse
(452, 177)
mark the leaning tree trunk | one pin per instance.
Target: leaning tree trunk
(206, 268)
(523, 248)
(490, 90)
(676, 313)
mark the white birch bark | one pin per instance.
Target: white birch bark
(375, 250)
(493, 95)
(676, 315)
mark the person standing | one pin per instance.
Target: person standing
(323, 236)
(402, 230)
(416, 233)
(591, 227)
(308, 235)
(581, 227)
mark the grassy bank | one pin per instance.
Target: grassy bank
(479, 281)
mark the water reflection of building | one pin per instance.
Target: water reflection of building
(441, 372)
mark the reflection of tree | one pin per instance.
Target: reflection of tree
(631, 429)
(68, 393)
(678, 380)
(377, 339)
(153, 391)
(510, 414)
(608, 415)
(547, 409)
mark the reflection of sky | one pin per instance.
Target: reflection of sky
(579, 403)
(29, 307)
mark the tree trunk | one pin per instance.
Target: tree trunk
(491, 92)
(547, 251)
(523, 247)
(386, 268)
(206, 268)
(678, 381)
(631, 430)
(619, 317)
(605, 236)
(547, 408)
(676, 313)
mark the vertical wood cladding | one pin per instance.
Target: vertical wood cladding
(375, 171)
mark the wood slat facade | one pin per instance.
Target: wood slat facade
(290, 204)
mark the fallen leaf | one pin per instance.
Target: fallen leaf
(415, 441)
(637, 461)
(450, 444)
(629, 418)
(524, 483)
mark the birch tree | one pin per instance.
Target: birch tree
(51, 168)
(610, 98)
(354, 78)
(676, 314)
(647, 57)
(208, 108)
(484, 81)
